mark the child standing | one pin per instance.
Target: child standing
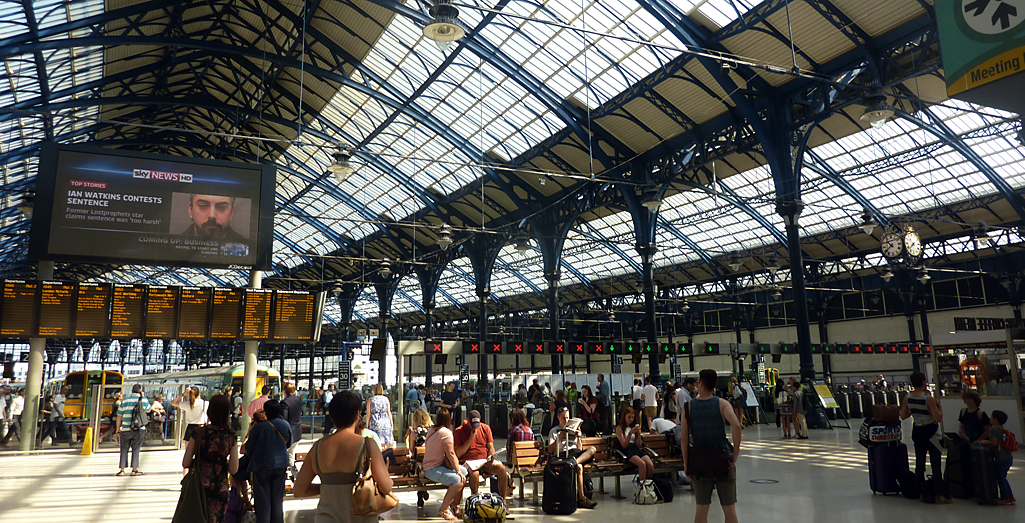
(1002, 455)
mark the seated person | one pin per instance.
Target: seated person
(560, 445)
(662, 426)
(475, 447)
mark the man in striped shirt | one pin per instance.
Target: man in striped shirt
(131, 439)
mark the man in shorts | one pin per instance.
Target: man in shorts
(475, 448)
(707, 419)
(560, 445)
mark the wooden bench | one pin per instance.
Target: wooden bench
(406, 473)
(609, 461)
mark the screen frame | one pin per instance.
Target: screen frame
(45, 191)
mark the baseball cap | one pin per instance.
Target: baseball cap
(475, 418)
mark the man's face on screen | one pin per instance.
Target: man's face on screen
(211, 214)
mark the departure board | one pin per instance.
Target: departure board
(162, 311)
(193, 313)
(56, 301)
(126, 311)
(257, 315)
(294, 313)
(20, 308)
(92, 310)
(226, 308)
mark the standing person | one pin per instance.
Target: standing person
(379, 417)
(927, 415)
(413, 403)
(450, 398)
(880, 383)
(1003, 457)
(534, 387)
(738, 399)
(441, 464)
(338, 459)
(257, 404)
(193, 410)
(559, 402)
(800, 421)
(112, 419)
(155, 429)
(292, 411)
(635, 396)
(45, 419)
(786, 409)
(325, 400)
(17, 407)
(706, 418)
(649, 395)
(267, 448)
(131, 439)
(475, 446)
(218, 456)
(975, 425)
(567, 445)
(669, 402)
(628, 431)
(60, 427)
(604, 398)
(684, 395)
(776, 402)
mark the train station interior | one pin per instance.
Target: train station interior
(820, 200)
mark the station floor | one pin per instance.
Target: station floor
(824, 478)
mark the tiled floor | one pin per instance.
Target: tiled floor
(821, 479)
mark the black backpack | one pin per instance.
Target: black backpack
(139, 417)
(908, 483)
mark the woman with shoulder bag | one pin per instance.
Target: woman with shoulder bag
(267, 448)
(710, 462)
(218, 456)
(338, 460)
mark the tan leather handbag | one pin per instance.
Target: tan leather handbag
(367, 500)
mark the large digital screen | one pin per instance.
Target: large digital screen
(226, 313)
(193, 313)
(106, 205)
(92, 310)
(256, 320)
(162, 312)
(126, 311)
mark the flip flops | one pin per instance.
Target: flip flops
(138, 473)
(120, 473)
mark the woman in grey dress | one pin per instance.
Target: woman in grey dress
(336, 459)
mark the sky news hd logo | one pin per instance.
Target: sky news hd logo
(161, 175)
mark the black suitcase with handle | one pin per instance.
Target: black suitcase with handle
(984, 474)
(560, 484)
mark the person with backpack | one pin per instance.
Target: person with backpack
(975, 424)
(927, 415)
(1003, 443)
(131, 426)
(709, 461)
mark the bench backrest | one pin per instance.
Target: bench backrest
(402, 464)
(659, 444)
(524, 454)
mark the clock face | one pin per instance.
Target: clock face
(913, 243)
(891, 246)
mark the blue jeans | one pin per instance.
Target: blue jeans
(269, 495)
(1005, 488)
(444, 475)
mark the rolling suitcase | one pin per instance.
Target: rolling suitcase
(958, 468)
(885, 463)
(984, 474)
(560, 484)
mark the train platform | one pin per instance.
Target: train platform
(824, 478)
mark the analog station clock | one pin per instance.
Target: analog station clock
(901, 245)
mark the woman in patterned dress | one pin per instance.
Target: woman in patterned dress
(218, 456)
(379, 416)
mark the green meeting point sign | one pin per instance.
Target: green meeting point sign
(983, 47)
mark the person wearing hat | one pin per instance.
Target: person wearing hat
(475, 447)
(559, 445)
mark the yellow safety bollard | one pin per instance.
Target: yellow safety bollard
(87, 443)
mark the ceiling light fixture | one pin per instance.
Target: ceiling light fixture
(877, 111)
(651, 200)
(337, 289)
(444, 27)
(385, 269)
(923, 275)
(445, 237)
(340, 165)
(868, 223)
(777, 293)
(773, 264)
(639, 288)
(1005, 282)
(887, 275)
(735, 263)
(522, 244)
(686, 306)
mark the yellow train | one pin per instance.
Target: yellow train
(80, 383)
